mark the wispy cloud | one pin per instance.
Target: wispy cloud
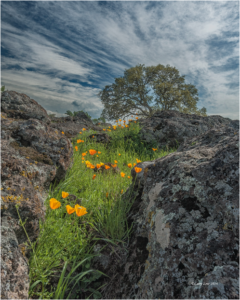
(63, 53)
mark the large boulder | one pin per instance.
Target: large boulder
(170, 128)
(81, 115)
(36, 157)
(185, 237)
(72, 125)
(20, 106)
(33, 155)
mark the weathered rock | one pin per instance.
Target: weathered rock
(105, 125)
(170, 128)
(185, 238)
(81, 115)
(17, 105)
(185, 215)
(71, 126)
(33, 156)
(100, 138)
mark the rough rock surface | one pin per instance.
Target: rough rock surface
(100, 138)
(32, 156)
(170, 128)
(185, 238)
(20, 106)
(71, 126)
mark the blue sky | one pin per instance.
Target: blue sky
(61, 54)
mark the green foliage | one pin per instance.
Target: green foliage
(56, 252)
(95, 121)
(70, 281)
(2, 89)
(88, 282)
(52, 115)
(69, 113)
(131, 93)
(99, 120)
(134, 144)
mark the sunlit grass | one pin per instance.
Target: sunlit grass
(64, 233)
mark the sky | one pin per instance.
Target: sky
(62, 53)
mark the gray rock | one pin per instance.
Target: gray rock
(185, 213)
(82, 115)
(171, 128)
(20, 106)
(184, 243)
(34, 154)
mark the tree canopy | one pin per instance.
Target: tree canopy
(101, 119)
(145, 90)
(3, 88)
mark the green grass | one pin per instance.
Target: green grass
(64, 249)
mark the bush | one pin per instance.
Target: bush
(3, 88)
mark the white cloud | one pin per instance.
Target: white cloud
(93, 43)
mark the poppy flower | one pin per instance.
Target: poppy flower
(107, 167)
(129, 165)
(134, 164)
(99, 152)
(102, 164)
(136, 117)
(119, 154)
(83, 158)
(120, 120)
(76, 148)
(138, 160)
(80, 132)
(121, 191)
(70, 209)
(115, 161)
(94, 176)
(129, 177)
(98, 166)
(92, 152)
(83, 154)
(65, 195)
(80, 210)
(84, 129)
(137, 170)
(62, 132)
(54, 203)
(114, 166)
(104, 129)
(154, 149)
(122, 174)
(106, 194)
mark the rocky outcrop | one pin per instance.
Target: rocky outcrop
(20, 106)
(170, 128)
(34, 155)
(71, 126)
(185, 238)
(185, 214)
(100, 138)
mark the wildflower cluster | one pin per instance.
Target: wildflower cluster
(107, 210)
(80, 210)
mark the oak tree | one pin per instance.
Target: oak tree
(145, 90)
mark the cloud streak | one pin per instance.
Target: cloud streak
(62, 54)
